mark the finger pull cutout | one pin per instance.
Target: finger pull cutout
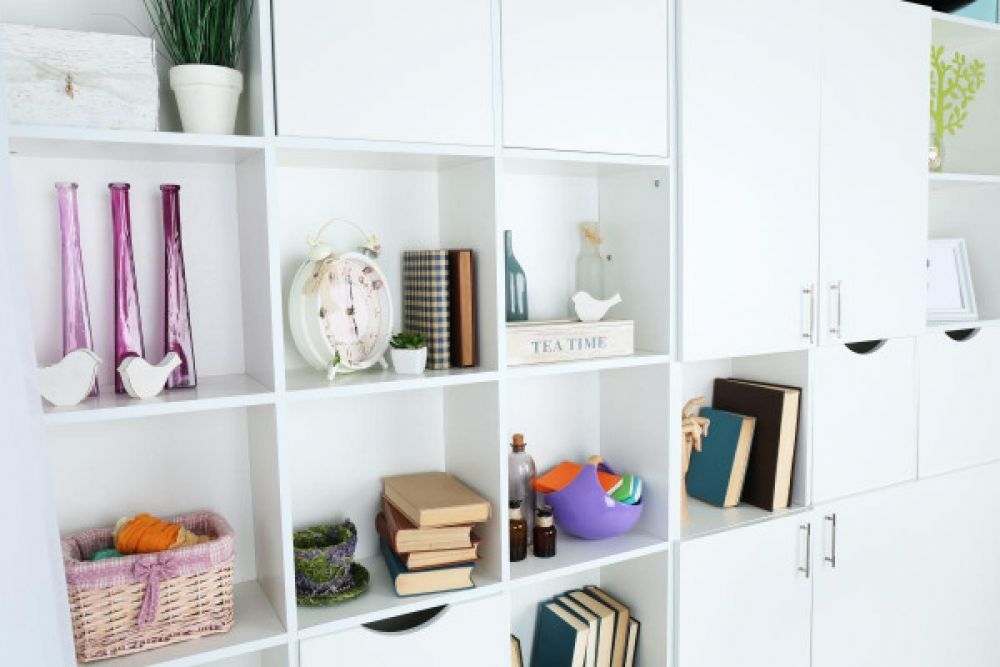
(961, 335)
(866, 346)
(406, 622)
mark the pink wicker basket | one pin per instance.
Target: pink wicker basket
(134, 603)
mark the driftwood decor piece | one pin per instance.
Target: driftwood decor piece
(80, 79)
(694, 429)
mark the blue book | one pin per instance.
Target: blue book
(717, 472)
(408, 582)
(560, 638)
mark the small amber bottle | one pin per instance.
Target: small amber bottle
(518, 533)
(545, 534)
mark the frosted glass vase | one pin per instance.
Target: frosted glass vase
(128, 320)
(589, 263)
(75, 308)
(176, 313)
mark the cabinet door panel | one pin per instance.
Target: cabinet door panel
(385, 69)
(742, 599)
(873, 170)
(750, 124)
(864, 429)
(586, 75)
(871, 606)
(958, 388)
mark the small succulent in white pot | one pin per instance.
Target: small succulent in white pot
(204, 39)
(409, 353)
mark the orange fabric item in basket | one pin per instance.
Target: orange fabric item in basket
(146, 534)
(564, 473)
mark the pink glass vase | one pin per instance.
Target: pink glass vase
(177, 314)
(75, 310)
(128, 321)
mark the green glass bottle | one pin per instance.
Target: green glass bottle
(515, 283)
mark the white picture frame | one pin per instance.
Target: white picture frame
(950, 293)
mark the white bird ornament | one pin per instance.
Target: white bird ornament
(144, 380)
(70, 380)
(589, 309)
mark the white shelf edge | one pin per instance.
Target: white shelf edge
(964, 21)
(401, 384)
(581, 156)
(417, 604)
(218, 654)
(137, 137)
(934, 327)
(971, 179)
(134, 408)
(609, 363)
(758, 516)
(379, 146)
(592, 564)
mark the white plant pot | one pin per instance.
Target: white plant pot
(409, 362)
(207, 97)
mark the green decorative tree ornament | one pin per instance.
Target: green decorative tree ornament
(954, 84)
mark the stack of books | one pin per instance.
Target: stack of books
(749, 452)
(439, 302)
(425, 531)
(585, 628)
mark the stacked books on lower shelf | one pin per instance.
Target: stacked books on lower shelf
(585, 628)
(748, 454)
(425, 532)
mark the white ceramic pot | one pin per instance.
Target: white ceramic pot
(409, 362)
(207, 97)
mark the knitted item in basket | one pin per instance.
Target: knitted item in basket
(133, 603)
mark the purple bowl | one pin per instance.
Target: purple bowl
(582, 509)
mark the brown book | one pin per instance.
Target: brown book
(462, 310)
(404, 536)
(622, 614)
(421, 560)
(433, 499)
(768, 482)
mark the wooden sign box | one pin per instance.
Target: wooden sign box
(568, 340)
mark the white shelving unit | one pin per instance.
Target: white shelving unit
(425, 156)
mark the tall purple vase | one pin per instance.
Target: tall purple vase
(128, 321)
(75, 309)
(177, 315)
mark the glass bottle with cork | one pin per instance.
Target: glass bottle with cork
(520, 475)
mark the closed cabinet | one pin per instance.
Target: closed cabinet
(959, 384)
(750, 102)
(458, 635)
(873, 170)
(874, 565)
(804, 185)
(385, 70)
(864, 412)
(586, 75)
(745, 597)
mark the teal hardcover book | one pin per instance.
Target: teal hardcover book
(593, 623)
(560, 638)
(432, 580)
(717, 472)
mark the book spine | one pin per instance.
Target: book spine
(462, 293)
(426, 304)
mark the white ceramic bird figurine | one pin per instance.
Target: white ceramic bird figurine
(70, 380)
(589, 309)
(144, 380)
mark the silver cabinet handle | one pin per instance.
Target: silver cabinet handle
(809, 312)
(807, 568)
(832, 558)
(835, 317)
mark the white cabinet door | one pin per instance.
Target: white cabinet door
(385, 69)
(961, 577)
(864, 428)
(870, 596)
(750, 88)
(743, 599)
(873, 170)
(959, 382)
(586, 75)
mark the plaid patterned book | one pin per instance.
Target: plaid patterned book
(425, 303)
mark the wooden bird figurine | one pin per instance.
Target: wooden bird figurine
(144, 380)
(694, 429)
(69, 381)
(589, 309)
